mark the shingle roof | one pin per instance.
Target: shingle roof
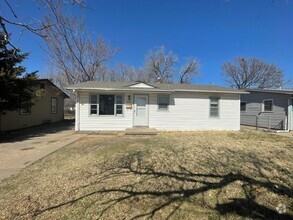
(53, 85)
(278, 91)
(91, 85)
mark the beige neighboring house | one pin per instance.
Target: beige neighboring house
(48, 108)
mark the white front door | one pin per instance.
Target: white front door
(141, 110)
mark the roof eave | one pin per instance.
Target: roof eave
(120, 89)
(211, 91)
(155, 90)
(284, 92)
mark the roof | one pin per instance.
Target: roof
(276, 91)
(54, 86)
(152, 87)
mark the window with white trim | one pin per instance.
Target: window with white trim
(243, 106)
(163, 102)
(214, 106)
(268, 105)
(119, 105)
(54, 105)
(106, 104)
(93, 104)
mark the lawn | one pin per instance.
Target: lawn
(174, 175)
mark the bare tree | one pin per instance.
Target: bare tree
(252, 73)
(73, 53)
(160, 65)
(189, 70)
(31, 24)
(129, 73)
(163, 66)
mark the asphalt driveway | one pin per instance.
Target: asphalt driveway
(20, 149)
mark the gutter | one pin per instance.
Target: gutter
(156, 90)
(118, 89)
(211, 91)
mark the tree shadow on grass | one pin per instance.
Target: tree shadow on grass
(249, 208)
(176, 188)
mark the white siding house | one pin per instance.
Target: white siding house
(102, 106)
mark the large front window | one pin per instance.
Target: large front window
(106, 104)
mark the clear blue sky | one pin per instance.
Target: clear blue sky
(213, 31)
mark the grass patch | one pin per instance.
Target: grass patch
(174, 175)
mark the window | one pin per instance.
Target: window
(214, 107)
(243, 106)
(107, 104)
(25, 110)
(268, 105)
(163, 102)
(42, 85)
(93, 104)
(119, 105)
(54, 105)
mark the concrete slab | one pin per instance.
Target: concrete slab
(141, 131)
(15, 155)
(285, 134)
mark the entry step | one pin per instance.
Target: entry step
(141, 131)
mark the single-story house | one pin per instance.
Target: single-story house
(48, 108)
(104, 106)
(268, 108)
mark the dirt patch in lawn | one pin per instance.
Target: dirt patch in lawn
(27, 148)
(174, 175)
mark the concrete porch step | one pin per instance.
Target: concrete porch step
(141, 131)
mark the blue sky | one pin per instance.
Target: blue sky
(213, 31)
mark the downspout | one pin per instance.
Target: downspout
(77, 111)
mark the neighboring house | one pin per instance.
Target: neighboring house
(48, 108)
(103, 106)
(267, 108)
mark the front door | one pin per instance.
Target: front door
(141, 111)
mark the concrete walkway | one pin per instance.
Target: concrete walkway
(18, 153)
(286, 134)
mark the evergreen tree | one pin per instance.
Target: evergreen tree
(16, 86)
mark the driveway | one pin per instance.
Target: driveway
(20, 149)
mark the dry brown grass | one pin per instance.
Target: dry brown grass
(174, 175)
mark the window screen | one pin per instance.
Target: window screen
(54, 105)
(214, 107)
(268, 105)
(163, 102)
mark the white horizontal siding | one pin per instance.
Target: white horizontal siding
(89, 122)
(190, 111)
(187, 112)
